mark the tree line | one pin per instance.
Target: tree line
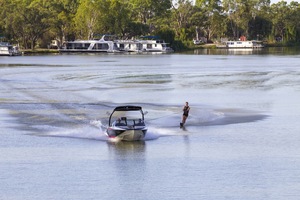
(34, 23)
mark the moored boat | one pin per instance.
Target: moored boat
(241, 44)
(7, 49)
(129, 45)
(145, 44)
(90, 46)
(127, 123)
(154, 44)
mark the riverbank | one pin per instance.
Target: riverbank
(38, 51)
(202, 46)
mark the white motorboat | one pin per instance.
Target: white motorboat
(127, 123)
(90, 46)
(7, 49)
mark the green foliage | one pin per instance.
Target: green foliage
(33, 23)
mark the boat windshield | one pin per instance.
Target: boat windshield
(128, 122)
(127, 118)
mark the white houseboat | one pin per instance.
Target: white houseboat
(7, 49)
(90, 46)
(145, 44)
(129, 45)
(154, 44)
(241, 44)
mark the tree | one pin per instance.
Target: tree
(293, 22)
(214, 21)
(144, 10)
(181, 17)
(118, 18)
(62, 25)
(240, 12)
(279, 21)
(27, 20)
(260, 26)
(88, 18)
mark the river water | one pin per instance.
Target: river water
(241, 140)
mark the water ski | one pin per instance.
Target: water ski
(181, 125)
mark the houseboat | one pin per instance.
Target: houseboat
(129, 45)
(241, 44)
(154, 44)
(144, 44)
(90, 46)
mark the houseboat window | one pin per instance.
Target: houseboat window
(149, 46)
(86, 45)
(101, 46)
(96, 46)
(105, 46)
(69, 46)
(115, 46)
(77, 46)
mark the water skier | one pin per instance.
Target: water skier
(185, 114)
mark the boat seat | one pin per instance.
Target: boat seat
(140, 123)
(120, 123)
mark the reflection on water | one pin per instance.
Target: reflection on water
(129, 163)
(228, 51)
(249, 51)
(125, 149)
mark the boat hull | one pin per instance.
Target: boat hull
(88, 51)
(127, 134)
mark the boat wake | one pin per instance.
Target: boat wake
(74, 121)
(96, 131)
(80, 132)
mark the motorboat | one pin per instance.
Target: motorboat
(90, 46)
(127, 123)
(7, 49)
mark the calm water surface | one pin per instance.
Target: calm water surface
(241, 140)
